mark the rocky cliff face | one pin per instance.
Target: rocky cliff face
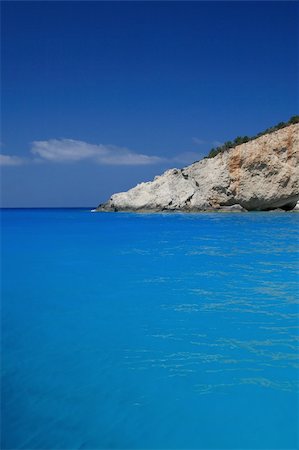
(259, 175)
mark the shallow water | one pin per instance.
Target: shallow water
(149, 331)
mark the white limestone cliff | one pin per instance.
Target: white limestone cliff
(261, 174)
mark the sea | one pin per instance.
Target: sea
(149, 331)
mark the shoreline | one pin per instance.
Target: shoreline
(180, 211)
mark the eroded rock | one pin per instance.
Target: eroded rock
(258, 175)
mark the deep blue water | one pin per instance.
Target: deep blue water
(149, 331)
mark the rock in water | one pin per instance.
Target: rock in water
(261, 174)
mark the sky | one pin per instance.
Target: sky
(99, 96)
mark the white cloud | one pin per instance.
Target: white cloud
(70, 150)
(198, 141)
(217, 143)
(187, 157)
(214, 143)
(8, 160)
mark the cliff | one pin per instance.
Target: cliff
(258, 175)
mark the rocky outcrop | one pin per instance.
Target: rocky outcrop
(258, 175)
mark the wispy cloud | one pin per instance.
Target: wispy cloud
(187, 157)
(198, 141)
(217, 143)
(214, 143)
(7, 160)
(70, 150)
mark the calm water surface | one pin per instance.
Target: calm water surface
(149, 331)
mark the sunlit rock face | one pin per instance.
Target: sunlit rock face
(259, 175)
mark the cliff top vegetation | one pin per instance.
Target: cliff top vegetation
(242, 139)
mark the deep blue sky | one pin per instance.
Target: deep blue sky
(160, 79)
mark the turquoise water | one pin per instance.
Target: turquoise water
(149, 331)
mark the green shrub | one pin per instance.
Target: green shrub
(243, 139)
(294, 119)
